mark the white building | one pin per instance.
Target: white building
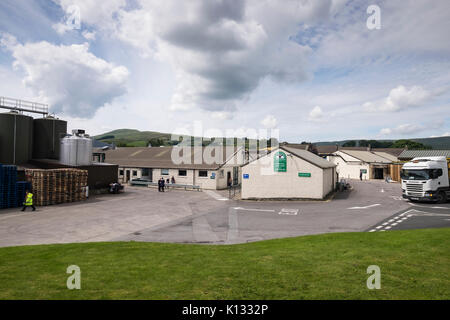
(288, 173)
(206, 167)
(372, 164)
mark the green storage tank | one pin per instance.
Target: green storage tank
(47, 134)
(16, 138)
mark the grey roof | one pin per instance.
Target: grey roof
(310, 157)
(161, 157)
(366, 156)
(329, 149)
(409, 154)
(386, 155)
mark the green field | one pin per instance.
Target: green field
(414, 264)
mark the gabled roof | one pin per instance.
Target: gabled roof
(161, 157)
(409, 154)
(329, 149)
(386, 155)
(366, 156)
(310, 157)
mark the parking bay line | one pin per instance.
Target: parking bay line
(366, 207)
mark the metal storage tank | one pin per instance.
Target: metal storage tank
(47, 135)
(76, 149)
(16, 138)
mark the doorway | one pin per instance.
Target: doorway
(128, 176)
(228, 178)
(378, 173)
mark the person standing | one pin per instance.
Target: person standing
(173, 180)
(28, 201)
(360, 175)
(163, 183)
(160, 184)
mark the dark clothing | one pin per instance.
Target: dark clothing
(25, 207)
(173, 180)
(161, 185)
(360, 176)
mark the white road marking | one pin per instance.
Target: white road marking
(289, 212)
(366, 207)
(215, 195)
(426, 207)
(233, 228)
(401, 217)
(253, 209)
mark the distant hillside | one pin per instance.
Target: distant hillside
(435, 143)
(136, 138)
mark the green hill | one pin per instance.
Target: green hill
(136, 138)
(434, 143)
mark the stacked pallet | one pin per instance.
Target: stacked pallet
(8, 191)
(56, 186)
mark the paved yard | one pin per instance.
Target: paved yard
(144, 214)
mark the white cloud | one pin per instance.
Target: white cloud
(93, 12)
(222, 115)
(61, 28)
(88, 35)
(70, 78)
(220, 50)
(269, 122)
(316, 114)
(403, 129)
(400, 98)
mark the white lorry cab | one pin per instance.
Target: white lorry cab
(426, 179)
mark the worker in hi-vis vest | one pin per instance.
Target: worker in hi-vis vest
(28, 201)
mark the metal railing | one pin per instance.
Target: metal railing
(233, 190)
(167, 186)
(23, 105)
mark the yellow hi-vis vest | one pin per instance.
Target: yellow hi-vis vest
(29, 200)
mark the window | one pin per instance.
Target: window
(182, 173)
(145, 172)
(221, 174)
(416, 174)
(121, 172)
(134, 173)
(203, 173)
(165, 172)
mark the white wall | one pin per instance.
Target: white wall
(349, 170)
(284, 184)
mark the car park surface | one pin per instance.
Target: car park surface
(144, 214)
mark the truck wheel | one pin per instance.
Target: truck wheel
(441, 197)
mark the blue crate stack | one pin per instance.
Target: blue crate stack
(8, 187)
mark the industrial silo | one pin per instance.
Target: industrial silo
(16, 138)
(47, 135)
(76, 149)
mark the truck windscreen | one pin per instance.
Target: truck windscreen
(415, 174)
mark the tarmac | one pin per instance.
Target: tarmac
(144, 214)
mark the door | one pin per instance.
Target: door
(128, 176)
(228, 178)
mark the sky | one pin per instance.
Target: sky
(301, 70)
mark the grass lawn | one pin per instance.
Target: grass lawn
(414, 264)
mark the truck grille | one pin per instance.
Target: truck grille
(414, 189)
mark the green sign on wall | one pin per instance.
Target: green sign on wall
(279, 162)
(304, 174)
